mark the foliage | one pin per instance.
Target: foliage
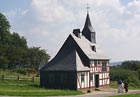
(129, 70)
(4, 24)
(131, 65)
(114, 84)
(37, 57)
(8, 72)
(23, 71)
(14, 52)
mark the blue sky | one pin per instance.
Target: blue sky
(47, 23)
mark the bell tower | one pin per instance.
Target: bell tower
(88, 30)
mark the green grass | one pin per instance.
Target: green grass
(39, 92)
(8, 72)
(127, 95)
(113, 84)
(12, 87)
(25, 87)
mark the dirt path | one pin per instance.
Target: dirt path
(103, 93)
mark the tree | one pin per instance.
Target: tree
(138, 71)
(129, 70)
(14, 52)
(4, 24)
(131, 65)
(37, 57)
(4, 40)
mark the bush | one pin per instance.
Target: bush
(138, 71)
(134, 81)
(123, 74)
(24, 71)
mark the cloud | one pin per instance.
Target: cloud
(47, 23)
(51, 10)
(24, 12)
(116, 24)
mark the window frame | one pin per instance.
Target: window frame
(83, 77)
(104, 66)
(91, 77)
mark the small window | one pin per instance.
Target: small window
(91, 77)
(95, 63)
(82, 77)
(104, 66)
(99, 62)
(93, 48)
(91, 62)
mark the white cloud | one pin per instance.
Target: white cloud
(49, 22)
(116, 24)
(51, 10)
(24, 12)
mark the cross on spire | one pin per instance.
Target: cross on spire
(87, 7)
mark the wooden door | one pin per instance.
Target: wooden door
(97, 81)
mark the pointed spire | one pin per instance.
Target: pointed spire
(88, 30)
(88, 23)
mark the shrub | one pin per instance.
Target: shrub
(123, 74)
(26, 71)
(22, 71)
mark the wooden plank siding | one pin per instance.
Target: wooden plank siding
(58, 80)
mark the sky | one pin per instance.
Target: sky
(47, 23)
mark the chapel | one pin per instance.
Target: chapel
(79, 64)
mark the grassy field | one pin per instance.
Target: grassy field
(10, 86)
(25, 86)
(127, 95)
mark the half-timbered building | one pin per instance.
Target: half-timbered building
(79, 64)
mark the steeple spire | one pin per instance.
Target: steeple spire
(88, 30)
(87, 7)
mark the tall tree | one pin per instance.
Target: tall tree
(14, 52)
(4, 23)
(4, 40)
(37, 57)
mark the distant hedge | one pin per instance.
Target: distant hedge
(129, 70)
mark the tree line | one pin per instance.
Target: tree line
(129, 70)
(14, 51)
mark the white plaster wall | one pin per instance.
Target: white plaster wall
(100, 76)
(100, 82)
(93, 81)
(78, 80)
(84, 84)
(108, 81)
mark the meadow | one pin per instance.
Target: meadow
(15, 84)
(29, 88)
(21, 85)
